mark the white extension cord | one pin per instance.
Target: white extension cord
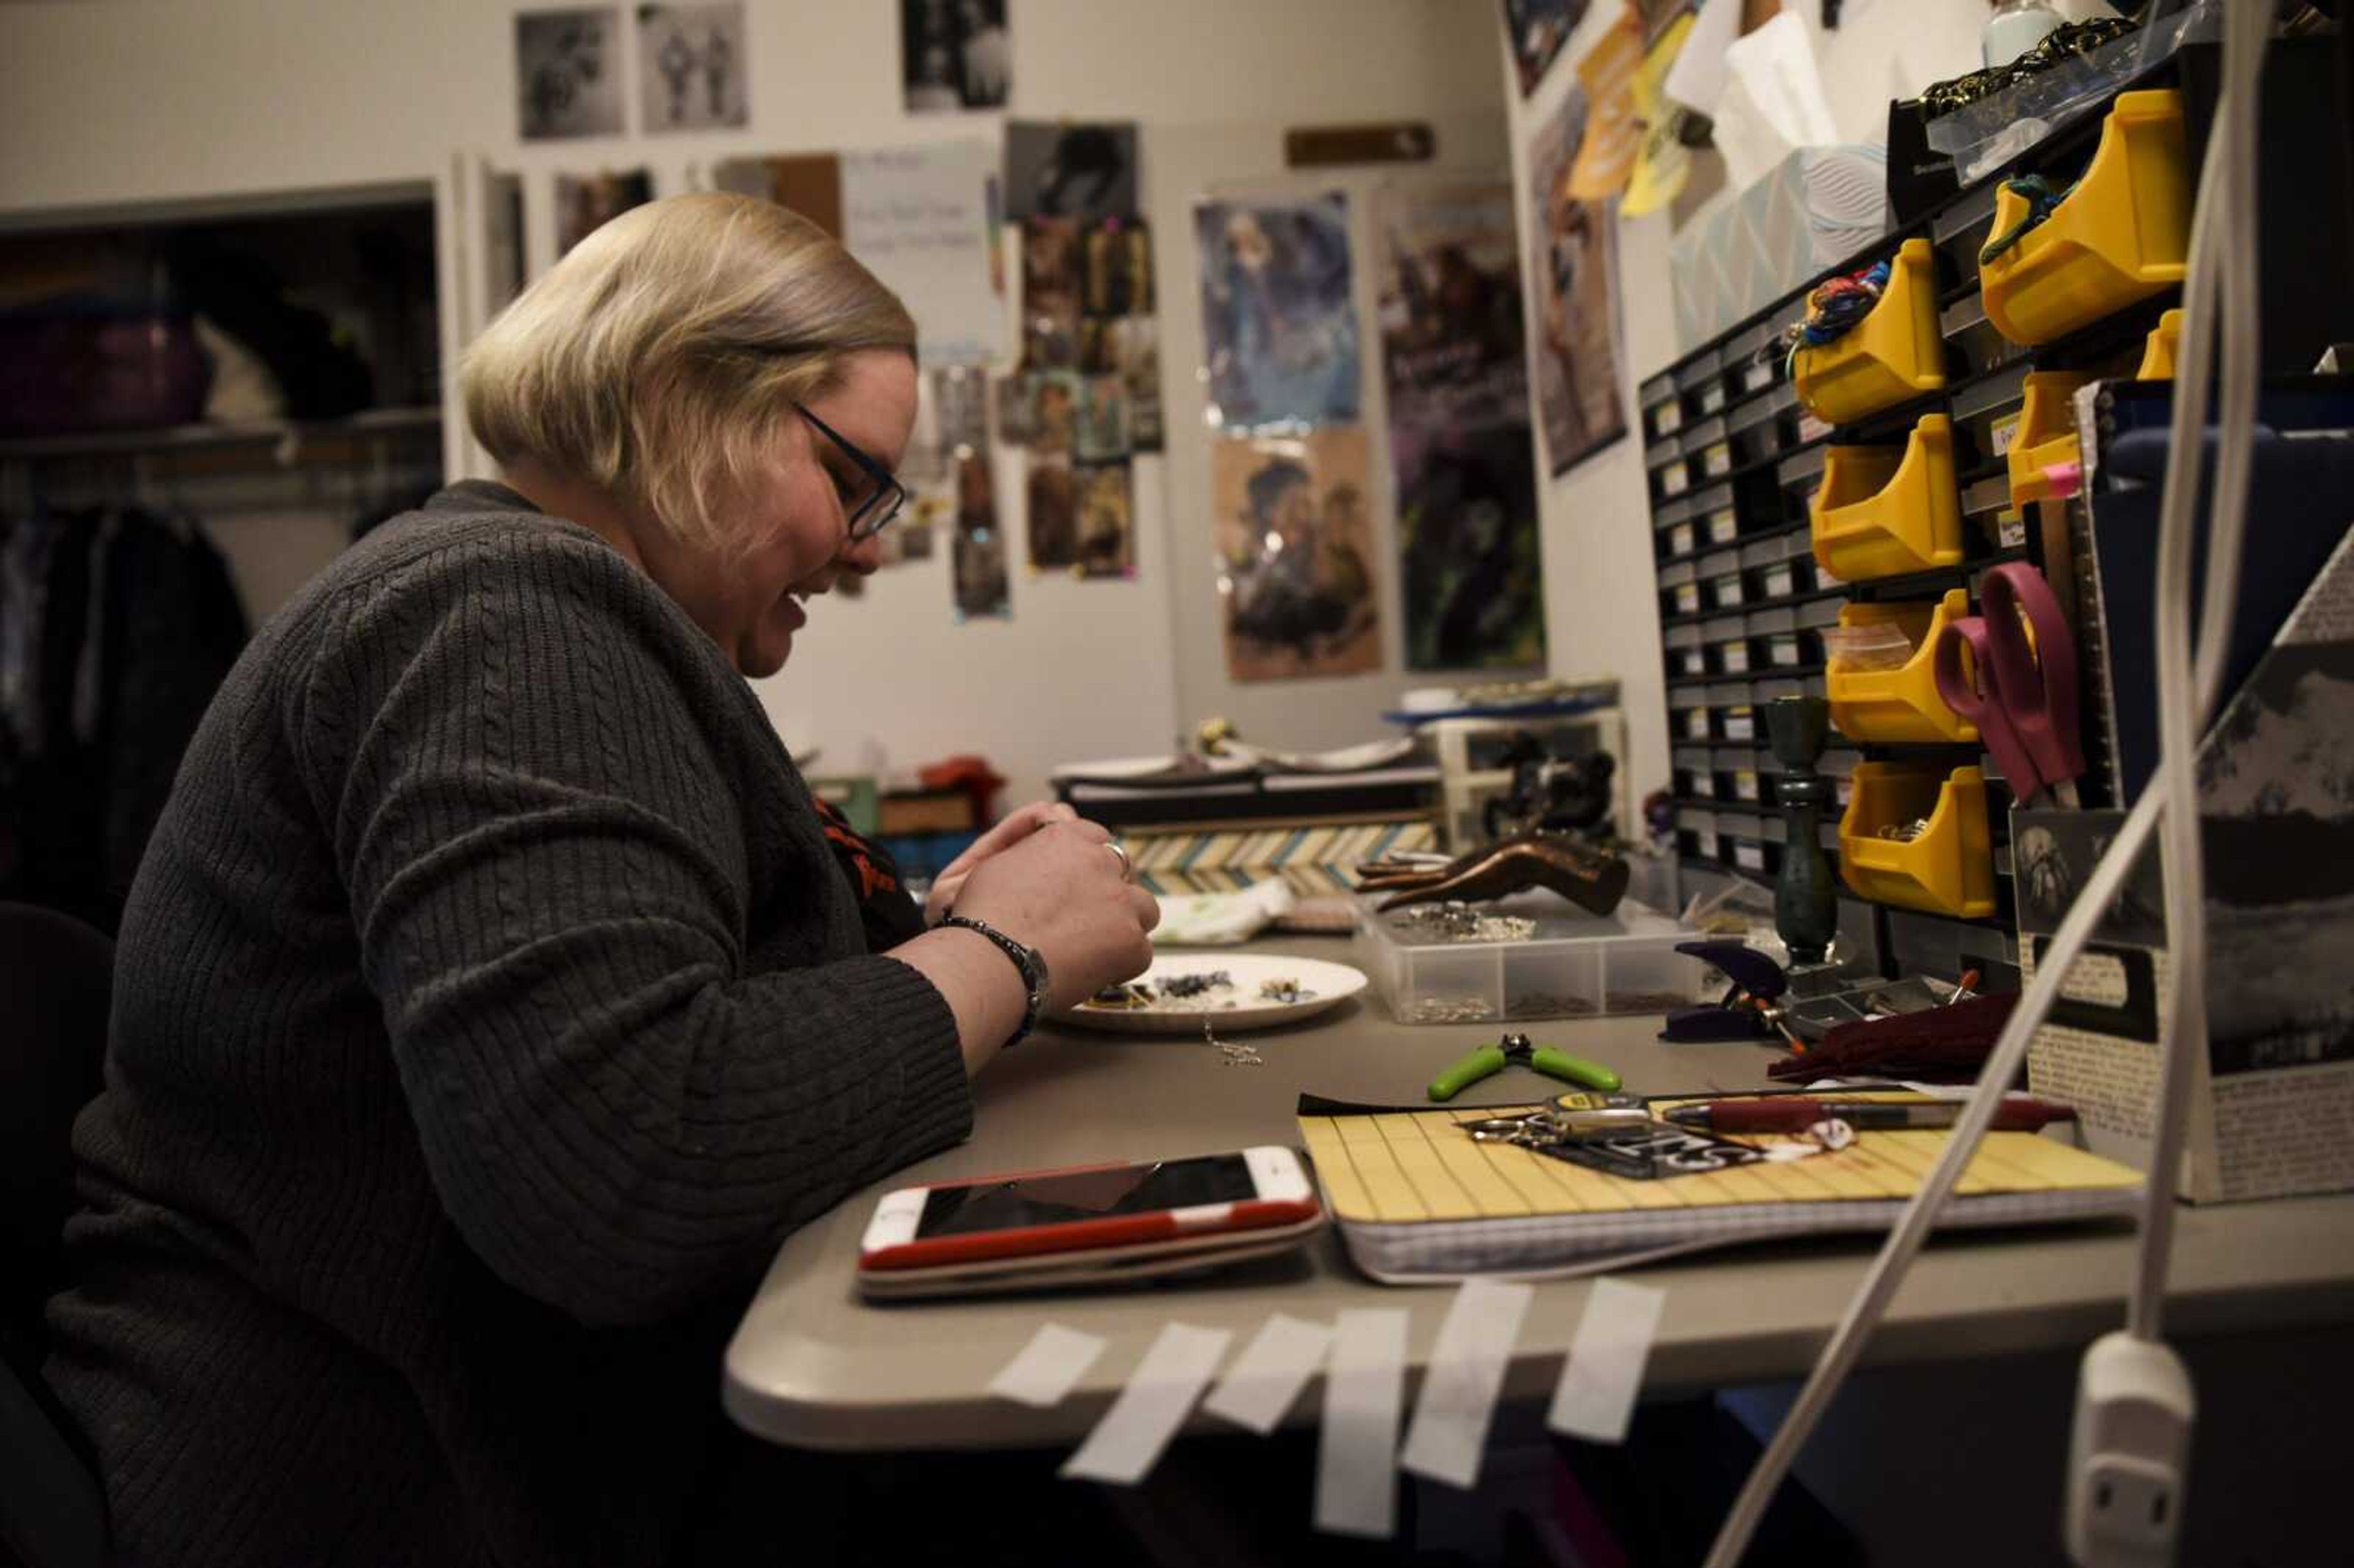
(2134, 1407)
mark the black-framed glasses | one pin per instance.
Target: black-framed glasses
(873, 513)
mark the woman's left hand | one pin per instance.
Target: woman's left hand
(1017, 826)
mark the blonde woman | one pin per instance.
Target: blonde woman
(494, 997)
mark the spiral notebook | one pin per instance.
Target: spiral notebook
(1417, 1201)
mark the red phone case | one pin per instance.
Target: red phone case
(1080, 1235)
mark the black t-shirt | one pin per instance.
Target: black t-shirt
(889, 916)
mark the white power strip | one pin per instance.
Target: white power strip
(2129, 1455)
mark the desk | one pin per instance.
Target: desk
(812, 1366)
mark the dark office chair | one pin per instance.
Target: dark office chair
(56, 977)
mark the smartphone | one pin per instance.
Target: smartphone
(1176, 1206)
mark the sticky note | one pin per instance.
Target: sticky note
(1269, 1373)
(1128, 1442)
(1460, 1385)
(1596, 1398)
(1049, 1366)
(1356, 1458)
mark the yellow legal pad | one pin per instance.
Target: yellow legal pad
(1416, 1197)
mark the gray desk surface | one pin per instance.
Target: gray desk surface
(812, 1365)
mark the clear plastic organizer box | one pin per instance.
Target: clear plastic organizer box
(1571, 966)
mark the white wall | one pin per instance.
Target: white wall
(1601, 614)
(164, 100)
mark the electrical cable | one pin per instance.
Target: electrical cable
(2247, 27)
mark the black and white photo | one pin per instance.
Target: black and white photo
(691, 73)
(955, 53)
(569, 73)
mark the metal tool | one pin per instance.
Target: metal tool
(1751, 1008)
(2019, 684)
(1490, 1060)
(1551, 1126)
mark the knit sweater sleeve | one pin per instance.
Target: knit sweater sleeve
(515, 755)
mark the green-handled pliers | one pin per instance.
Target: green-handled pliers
(1490, 1060)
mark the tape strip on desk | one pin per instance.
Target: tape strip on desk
(1356, 1457)
(1048, 1367)
(1465, 1374)
(1269, 1373)
(1129, 1439)
(1603, 1373)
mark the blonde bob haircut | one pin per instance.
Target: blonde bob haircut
(657, 359)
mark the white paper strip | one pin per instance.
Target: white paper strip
(1605, 1371)
(1269, 1373)
(1054, 1360)
(1465, 1373)
(1127, 1443)
(1356, 1459)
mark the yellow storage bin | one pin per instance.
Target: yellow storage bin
(2165, 341)
(1895, 352)
(1891, 706)
(1882, 511)
(1948, 869)
(2046, 435)
(2120, 236)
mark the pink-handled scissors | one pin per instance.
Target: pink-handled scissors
(2021, 694)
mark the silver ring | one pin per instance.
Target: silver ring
(1127, 866)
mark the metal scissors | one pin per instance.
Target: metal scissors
(2019, 684)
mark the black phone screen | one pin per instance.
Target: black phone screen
(1068, 1198)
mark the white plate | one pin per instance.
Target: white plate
(1321, 985)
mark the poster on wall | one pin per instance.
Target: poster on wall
(1572, 258)
(691, 72)
(1278, 323)
(919, 218)
(955, 53)
(1085, 171)
(1295, 551)
(977, 554)
(1454, 360)
(584, 203)
(1537, 29)
(1468, 574)
(569, 73)
(1453, 347)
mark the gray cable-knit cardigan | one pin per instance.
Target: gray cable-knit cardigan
(489, 1005)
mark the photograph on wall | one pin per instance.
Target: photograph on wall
(569, 73)
(1120, 269)
(1016, 400)
(1054, 407)
(1468, 560)
(1454, 350)
(691, 68)
(1053, 257)
(1070, 170)
(585, 202)
(918, 217)
(1107, 521)
(1537, 29)
(1572, 258)
(1051, 493)
(1138, 354)
(1295, 555)
(1279, 326)
(1102, 433)
(955, 53)
(977, 554)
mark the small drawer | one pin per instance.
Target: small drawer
(1707, 452)
(1986, 416)
(1736, 721)
(1764, 426)
(1679, 589)
(1736, 773)
(2043, 451)
(1958, 233)
(1716, 515)
(1946, 867)
(1884, 511)
(1989, 519)
(1972, 339)
(1688, 713)
(1720, 576)
(1774, 639)
(1696, 832)
(1685, 655)
(1727, 640)
(1695, 770)
(1744, 845)
(1696, 373)
(1837, 764)
(1663, 421)
(1894, 352)
(1800, 475)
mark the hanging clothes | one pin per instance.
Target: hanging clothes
(117, 625)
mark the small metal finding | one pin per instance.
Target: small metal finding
(1231, 1054)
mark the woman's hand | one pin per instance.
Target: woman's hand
(1063, 891)
(1017, 826)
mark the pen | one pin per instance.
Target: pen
(1795, 1113)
